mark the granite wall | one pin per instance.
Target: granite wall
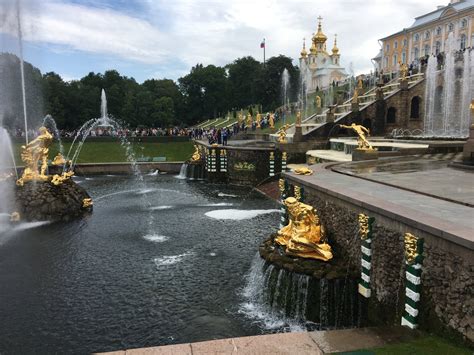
(448, 270)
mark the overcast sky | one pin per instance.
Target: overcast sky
(165, 38)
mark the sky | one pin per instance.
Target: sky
(158, 39)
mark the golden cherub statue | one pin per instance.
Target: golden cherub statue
(282, 133)
(271, 120)
(304, 236)
(298, 118)
(258, 120)
(403, 71)
(32, 153)
(196, 155)
(249, 120)
(362, 141)
(318, 101)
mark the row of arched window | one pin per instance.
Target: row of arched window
(414, 111)
(438, 30)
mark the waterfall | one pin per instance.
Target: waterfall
(284, 300)
(182, 172)
(467, 91)
(7, 167)
(449, 116)
(103, 105)
(430, 88)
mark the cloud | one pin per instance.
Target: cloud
(177, 34)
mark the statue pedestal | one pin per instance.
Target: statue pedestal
(365, 154)
(468, 150)
(404, 84)
(298, 136)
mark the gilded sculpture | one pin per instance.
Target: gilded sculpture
(34, 152)
(298, 194)
(15, 217)
(411, 247)
(196, 155)
(258, 120)
(365, 223)
(304, 236)
(361, 131)
(282, 134)
(271, 120)
(303, 171)
(318, 101)
(403, 71)
(87, 202)
(59, 160)
(249, 120)
(298, 118)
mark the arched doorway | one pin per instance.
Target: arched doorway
(392, 115)
(415, 107)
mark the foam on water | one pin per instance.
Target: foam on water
(161, 208)
(221, 194)
(216, 204)
(156, 238)
(237, 215)
(154, 173)
(28, 225)
(171, 259)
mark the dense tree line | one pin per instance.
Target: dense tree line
(206, 92)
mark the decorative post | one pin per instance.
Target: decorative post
(413, 261)
(272, 164)
(223, 162)
(283, 161)
(365, 234)
(208, 159)
(213, 161)
(282, 185)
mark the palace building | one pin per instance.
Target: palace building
(428, 35)
(322, 68)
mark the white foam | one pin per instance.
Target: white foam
(221, 194)
(146, 191)
(156, 238)
(161, 208)
(170, 259)
(154, 173)
(270, 320)
(237, 215)
(216, 204)
(28, 225)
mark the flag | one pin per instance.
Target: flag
(262, 45)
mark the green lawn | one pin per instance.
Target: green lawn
(429, 345)
(109, 152)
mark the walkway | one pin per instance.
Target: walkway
(308, 343)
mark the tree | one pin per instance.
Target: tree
(244, 77)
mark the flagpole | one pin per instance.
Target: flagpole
(264, 47)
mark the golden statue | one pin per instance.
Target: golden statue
(411, 247)
(359, 84)
(249, 120)
(355, 98)
(282, 133)
(196, 155)
(304, 236)
(32, 153)
(303, 171)
(59, 160)
(298, 118)
(258, 119)
(59, 179)
(15, 217)
(87, 202)
(271, 120)
(318, 101)
(403, 71)
(362, 142)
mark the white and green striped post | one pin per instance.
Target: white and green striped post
(272, 164)
(208, 160)
(213, 161)
(283, 186)
(283, 161)
(413, 262)
(223, 160)
(365, 234)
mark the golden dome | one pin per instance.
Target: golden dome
(319, 37)
(313, 48)
(304, 53)
(335, 50)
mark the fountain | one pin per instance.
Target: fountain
(448, 93)
(7, 172)
(285, 85)
(193, 169)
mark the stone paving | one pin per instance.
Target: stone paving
(306, 343)
(448, 220)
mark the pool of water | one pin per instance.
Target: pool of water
(158, 262)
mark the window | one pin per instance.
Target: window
(427, 50)
(395, 45)
(387, 47)
(438, 31)
(417, 53)
(464, 23)
(386, 62)
(437, 47)
(427, 35)
(395, 58)
(404, 57)
(392, 115)
(463, 41)
(450, 27)
(405, 43)
(415, 107)
(416, 37)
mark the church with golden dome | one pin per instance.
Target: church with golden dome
(319, 68)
